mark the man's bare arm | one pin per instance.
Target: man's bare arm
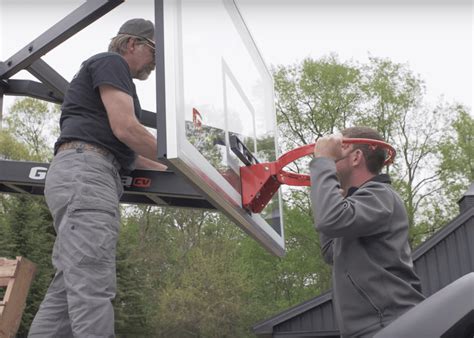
(127, 128)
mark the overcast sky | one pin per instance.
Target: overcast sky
(434, 37)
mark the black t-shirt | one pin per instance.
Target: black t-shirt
(83, 114)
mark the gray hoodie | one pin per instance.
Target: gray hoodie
(365, 237)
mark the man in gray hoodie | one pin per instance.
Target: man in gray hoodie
(363, 228)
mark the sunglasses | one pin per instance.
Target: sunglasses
(148, 43)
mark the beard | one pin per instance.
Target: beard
(145, 71)
(343, 177)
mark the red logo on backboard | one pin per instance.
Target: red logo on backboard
(141, 182)
(197, 119)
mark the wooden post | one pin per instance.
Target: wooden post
(16, 276)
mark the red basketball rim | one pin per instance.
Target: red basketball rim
(290, 178)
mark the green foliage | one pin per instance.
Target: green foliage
(454, 174)
(299, 275)
(315, 98)
(30, 121)
(390, 90)
(206, 298)
(143, 248)
(184, 262)
(10, 148)
(457, 148)
(131, 317)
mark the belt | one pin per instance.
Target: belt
(84, 146)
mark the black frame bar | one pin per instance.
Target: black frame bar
(32, 89)
(80, 18)
(47, 75)
(163, 188)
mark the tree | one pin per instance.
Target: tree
(34, 123)
(390, 91)
(455, 171)
(301, 274)
(395, 107)
(190, 282)
(207, 298)
(10, 148)
(133, 286)
(457, 153)
(419, 134)
(315, 98)
(145, 253)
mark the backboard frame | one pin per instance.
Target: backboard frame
(174, 148)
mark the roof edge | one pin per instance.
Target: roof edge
(442, 233)
(266, 326)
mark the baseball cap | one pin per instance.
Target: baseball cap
(140, 28)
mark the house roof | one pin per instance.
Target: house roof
(266, 326)
(442, 233)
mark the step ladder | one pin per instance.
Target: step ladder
(16, 276)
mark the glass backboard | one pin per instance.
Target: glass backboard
(215, 87)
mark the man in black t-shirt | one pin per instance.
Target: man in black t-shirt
(100, 136)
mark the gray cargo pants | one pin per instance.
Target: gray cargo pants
(82, 191)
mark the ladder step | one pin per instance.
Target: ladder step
(16, 276)
(7, 267)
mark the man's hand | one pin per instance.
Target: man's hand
(329, 146)
(145, 163)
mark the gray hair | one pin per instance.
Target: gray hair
(118, 44)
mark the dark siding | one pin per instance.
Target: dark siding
(448, 260)
(316, 320)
